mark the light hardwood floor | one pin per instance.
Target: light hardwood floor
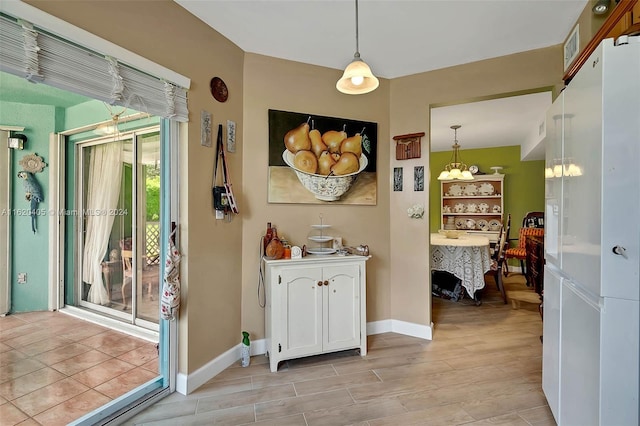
(482, 367)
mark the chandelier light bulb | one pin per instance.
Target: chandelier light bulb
(357, 80)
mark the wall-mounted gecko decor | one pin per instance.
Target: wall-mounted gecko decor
(408, 146)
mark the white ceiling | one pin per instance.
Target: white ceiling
(404, 37)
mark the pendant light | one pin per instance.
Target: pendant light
(357, 78)
(456, 169)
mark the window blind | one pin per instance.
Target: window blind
(39, 56)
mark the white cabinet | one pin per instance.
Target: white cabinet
(475, 205)
(551, 338)
(314, 305)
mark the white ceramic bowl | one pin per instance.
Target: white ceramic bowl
(452, 233)
(325, 188)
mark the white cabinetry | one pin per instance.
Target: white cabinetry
(315, 305)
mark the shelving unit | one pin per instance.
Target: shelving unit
(321, 239)
(476, 206)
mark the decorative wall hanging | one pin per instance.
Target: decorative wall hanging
(408, 146)
(32, 163)
(418, 178)
(231, 136)
(219, 89)
(32, 193)
(317, 159)
(397, 179)
(205, 128)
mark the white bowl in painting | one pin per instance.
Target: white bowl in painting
(325, 188)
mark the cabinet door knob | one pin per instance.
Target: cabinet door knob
(326, 282)
(319, 283)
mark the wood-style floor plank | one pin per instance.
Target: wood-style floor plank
(483, 367)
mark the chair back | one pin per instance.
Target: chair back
(524, 232)
(533, 220)
(126, 256)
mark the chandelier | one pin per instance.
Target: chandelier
(455, 169)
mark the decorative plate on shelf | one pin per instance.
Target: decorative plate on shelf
(455, 190)
(321, 250)
(486, 188)
(494, 225)
(470, 223)
(482, 225)
(321, 239)
(461, 223)
(470, 189)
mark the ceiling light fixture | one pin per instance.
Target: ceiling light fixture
(456, 169)
(601, 7)
(357, 78)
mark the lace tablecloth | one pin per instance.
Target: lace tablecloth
(466, 257)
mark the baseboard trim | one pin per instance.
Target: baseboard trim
(401, 327)
(185, 384)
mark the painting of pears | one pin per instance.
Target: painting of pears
(315, 159)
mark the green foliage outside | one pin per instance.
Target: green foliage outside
(153, 194)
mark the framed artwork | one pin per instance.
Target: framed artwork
(205, 128)
(397, 179)
(315, 159)
(418, 178)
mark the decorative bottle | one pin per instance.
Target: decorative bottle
(268, 236)
(275, 248)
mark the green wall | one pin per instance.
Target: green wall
(523, 181)
(30, 252)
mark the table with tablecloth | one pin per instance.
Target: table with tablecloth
(466, 257)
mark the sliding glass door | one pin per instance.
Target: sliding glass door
(118, 217)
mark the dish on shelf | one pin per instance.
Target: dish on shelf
(482, 225)
(470, 189)
(494, 225)
(455, 190)
(458, 208)
(472, 208)
(321, 226)
(321, 239)
(484, 207)
(470, 224)
(486, 189)
(496, 208)
(321, 250)
(461, 223)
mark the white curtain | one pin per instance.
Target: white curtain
(103, 191)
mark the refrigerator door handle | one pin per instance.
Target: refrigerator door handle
(620, 251)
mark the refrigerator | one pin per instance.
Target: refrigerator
(591, 336)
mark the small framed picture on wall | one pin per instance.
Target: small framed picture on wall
(397, 178)
(418, 178)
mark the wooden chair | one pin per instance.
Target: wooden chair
(520, 251)
(498, 261)
(127, 274)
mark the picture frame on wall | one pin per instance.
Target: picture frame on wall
(316, 159)
(397, 179)
(418, 178)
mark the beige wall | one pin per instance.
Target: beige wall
(410, 100)
(220, 266)
(291, 86)
(165, 33)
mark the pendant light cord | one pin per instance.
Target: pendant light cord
(357, 40)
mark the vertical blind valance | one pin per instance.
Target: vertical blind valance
(38, 56)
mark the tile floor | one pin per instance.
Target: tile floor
(483, 366)
(55, 368)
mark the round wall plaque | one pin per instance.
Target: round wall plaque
(219, 89)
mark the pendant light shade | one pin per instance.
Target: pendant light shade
(357, 78)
